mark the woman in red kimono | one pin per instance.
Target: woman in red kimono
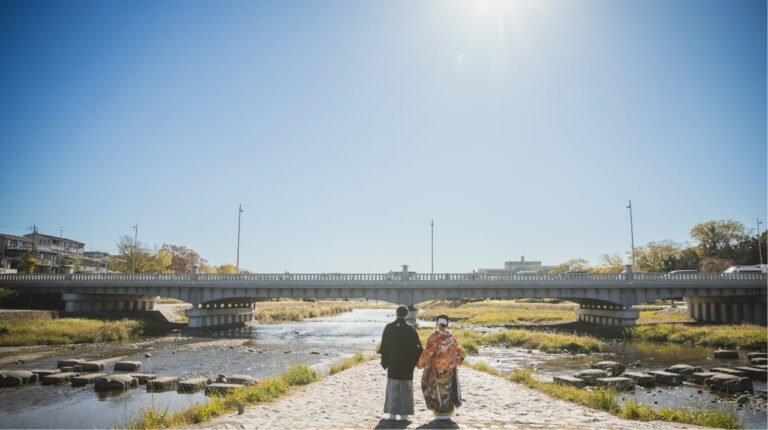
(439, 360)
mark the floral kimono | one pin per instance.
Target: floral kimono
(439, 360)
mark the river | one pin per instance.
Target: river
(319, 342)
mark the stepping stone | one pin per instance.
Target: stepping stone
(16, 378)
(614, 368)
(83, 380)
(728, 371)
(617, 382)
(127, 366)
(570, 380)
(641, 379)
(92, 366)
(667, 378)
(590, 375)
(242, 380)
(142, 378)
(729, 383)
(684, 370)
(726, 353)
(758, 361)
(193, 385)
(754, 372)
(70, 362)
(219, 388)
(44, 372)
(59, 378)
(700, 377)
(752, 355)
(166, 383)
(115, 383)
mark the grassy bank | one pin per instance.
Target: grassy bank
(499, 312)
(744, 335)
(608, 400)
(669, 315)
(295, 310)
(471, 341)
(18, 332)
(356, 359)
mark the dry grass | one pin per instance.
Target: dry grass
(500, 312)
(299, 310)
(744, 335)
(17, 332)
(471, 340)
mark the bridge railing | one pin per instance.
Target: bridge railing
(484, 278)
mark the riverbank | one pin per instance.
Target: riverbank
(354, 399)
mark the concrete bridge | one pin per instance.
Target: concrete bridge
(222, 299)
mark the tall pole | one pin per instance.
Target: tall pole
(759, 246)
(432, 241)
(135, 244)
(239, 211)
(632, 232)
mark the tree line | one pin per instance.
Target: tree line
(716, 245)
(137, 258)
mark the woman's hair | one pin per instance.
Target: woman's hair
(442, 319)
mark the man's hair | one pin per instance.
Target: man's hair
(402, 311)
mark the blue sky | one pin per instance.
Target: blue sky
(343, 127)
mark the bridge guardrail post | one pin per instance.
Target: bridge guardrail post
(629, 272)
(195, 268)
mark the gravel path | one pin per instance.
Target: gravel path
(354, 399)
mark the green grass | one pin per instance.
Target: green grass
(745, 335)
(153, 417)
(607, 400)
(663, 316)
(471, 340)
(18, 332)
(356, 359)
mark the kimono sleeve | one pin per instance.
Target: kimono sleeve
(384, 347)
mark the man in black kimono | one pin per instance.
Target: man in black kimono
(400, 349)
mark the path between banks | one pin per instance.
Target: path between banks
(354, 399)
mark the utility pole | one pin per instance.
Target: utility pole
(135, 244)
(632, 232)
(239, 212)
(759, 246)
(432, 237)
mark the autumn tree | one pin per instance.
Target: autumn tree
(572, 265)
(714, 264)
(226, 268)
(27, 264)
(658, 257)
(183, 258)
(610, 263)
(717, 238)
(134, 257)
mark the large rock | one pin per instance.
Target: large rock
(16, 378)
(142, 378)
(728, 371)
(92, 366)
(758, 361)
(752, 355)
(617, 382)
(115, 383)
(684, 370)
(726, 353)
(193, 385)
(591, 375)
(219, 388)
(83, 380)
(127, 366)
(754, 372)
(570, 380)
(667, 378)
(59, 378)
(641, 379)
(165, 383)
(614, 368)
(700, 377)
(242, 380)
(729, 383)
(70, 362)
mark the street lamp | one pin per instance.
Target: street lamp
(632, 232)
(432, 241)
(239, 211)
(135, 244)
(759, 246)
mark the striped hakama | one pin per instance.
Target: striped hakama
(399, 399)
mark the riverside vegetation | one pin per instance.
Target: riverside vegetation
(154, 417)
(18, 332)
(296, 310)
(471, 340)
(608, 400)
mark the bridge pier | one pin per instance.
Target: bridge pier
(730, 309)
(87, 303)
(612, 315)
(220, 315)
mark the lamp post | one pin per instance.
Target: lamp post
(759, 246)
(432, 246)
(135, 244)
(239, 212)
(632, 233)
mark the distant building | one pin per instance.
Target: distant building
(516, 266)
(54, 254)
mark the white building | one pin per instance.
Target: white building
(516, 266)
